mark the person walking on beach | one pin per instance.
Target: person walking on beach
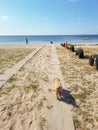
(66, 45)
(26, 40)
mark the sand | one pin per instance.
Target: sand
(81, 81)
(23, 96)
(28, 101)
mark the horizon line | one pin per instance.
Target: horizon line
(45, 34)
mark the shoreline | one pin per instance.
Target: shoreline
(48, 42)
(45, 43)
(36, 45)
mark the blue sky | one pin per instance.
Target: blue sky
(48, 17)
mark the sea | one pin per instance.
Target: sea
(32, 39)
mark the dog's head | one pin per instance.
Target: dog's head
(56, 79)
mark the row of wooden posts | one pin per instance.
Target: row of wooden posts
(80, 53)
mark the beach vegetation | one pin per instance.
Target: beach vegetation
(18, 103)
(13, 78)
(48, 56)
(7, 90)
(41, 104)
(80, 78)
(32, 86)
(46, 78)
(44, 98)
(80, 44)
(3, 92)
(42, 123)
(9, 57)
(77, 122)
(49, 106)
(21, 69)
(10, 87)
(49, 90)
(96, 119)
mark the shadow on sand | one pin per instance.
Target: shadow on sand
(68, 98)
(86, 57)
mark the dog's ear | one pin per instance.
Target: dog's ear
(54, 79)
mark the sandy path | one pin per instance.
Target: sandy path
(27, 100)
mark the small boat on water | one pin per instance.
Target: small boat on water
(85, 38)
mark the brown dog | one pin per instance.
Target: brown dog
(58, 87)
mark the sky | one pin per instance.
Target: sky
(48, 17)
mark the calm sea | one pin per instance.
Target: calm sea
(48, 38)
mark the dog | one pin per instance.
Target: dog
(58, 88)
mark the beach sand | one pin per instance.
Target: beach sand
(81, 81)
(28, 98)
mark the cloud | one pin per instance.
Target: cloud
(4, 18)
(96, 26)
(73, 0)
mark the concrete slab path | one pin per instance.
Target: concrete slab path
(60, 117)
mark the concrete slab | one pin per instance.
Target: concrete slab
(60, 117)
